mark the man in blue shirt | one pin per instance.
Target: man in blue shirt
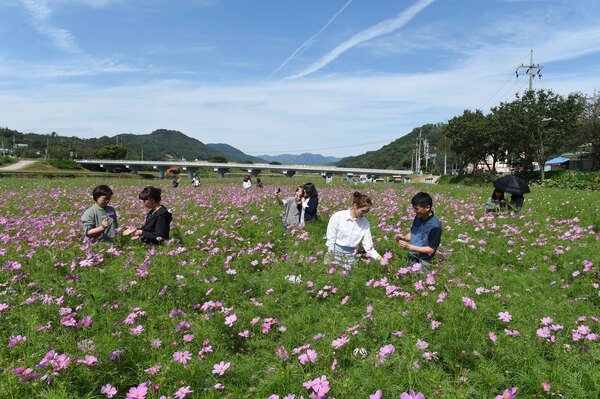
(425, 233)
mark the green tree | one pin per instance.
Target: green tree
(467, 134)
(542, 122)
(112, 152)
(590, 128)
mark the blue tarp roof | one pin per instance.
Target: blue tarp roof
(557, 160)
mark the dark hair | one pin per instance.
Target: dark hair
(422, 199)
(102, 191)
(361, 200)
(310, 190)
(498, 197)
(150, 193)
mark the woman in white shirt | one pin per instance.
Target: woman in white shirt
(349, 228)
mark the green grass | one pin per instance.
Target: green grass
(229, 249)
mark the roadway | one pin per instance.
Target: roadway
(222, 168)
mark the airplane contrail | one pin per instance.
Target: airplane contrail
(310, 40)
(374, 31)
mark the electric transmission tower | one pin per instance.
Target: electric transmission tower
(532, 70)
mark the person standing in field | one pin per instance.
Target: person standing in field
(425, 235)
(247, 182)
(100, 220)
(349, 228)
(158, 219)
(309, 205)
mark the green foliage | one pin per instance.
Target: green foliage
(68, 164)
(112, 152)
(399, 154)
(6, 161)
(570, 179)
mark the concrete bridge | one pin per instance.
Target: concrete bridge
(253, 169)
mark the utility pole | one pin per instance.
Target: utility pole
(531, 71)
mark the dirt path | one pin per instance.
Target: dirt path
(18, 165)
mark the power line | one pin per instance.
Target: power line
(531, 71)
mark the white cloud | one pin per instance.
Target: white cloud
(377, 30)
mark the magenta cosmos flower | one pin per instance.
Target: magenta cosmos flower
(509, 393)
(411, 395)
(221, 368)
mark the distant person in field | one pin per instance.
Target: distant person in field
(158, 219)
(100, 220)
(291, 213)
(175, 181)
(496, 201)
(196, 181)
(309, 205)
(348, 229)
(247, 182)
(516, 202)
(425, 235)
(259, 183)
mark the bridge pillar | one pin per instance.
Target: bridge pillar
(328, 176)
(191, 170)
(221, 172)
(133, 169)
(254, 172)
(289, 173)
(161, 170)
(108, 168)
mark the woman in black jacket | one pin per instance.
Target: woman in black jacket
(158, 219)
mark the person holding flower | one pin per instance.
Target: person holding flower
(425, 235)
(158, 219)
(348, 229)
(100, 220)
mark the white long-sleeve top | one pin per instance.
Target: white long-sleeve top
(346, 231)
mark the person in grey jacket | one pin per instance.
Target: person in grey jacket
(100, 220)
(291, 213)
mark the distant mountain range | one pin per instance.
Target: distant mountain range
(164, 144)
(302, 159)
(233, 154)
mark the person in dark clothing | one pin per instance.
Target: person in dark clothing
(425, 233)
(158, 219)
(309, 205)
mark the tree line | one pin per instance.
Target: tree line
(535, 127)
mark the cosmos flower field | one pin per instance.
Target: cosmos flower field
(233, 306)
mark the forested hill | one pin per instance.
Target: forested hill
(399, 153)
(161, 144)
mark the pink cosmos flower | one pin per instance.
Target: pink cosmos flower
(492, 336)
(229, 320)
(320, 386)
(108, 390)
(504, 316)
(377, 395)
(88, 361)
(422, 344)
(341, 341)
(138, 392)
(182, 392)
(182, 357)
(309, 356)
(411, 395)
(546, 386)
(221, 368)
(469, 303)
(509, 393)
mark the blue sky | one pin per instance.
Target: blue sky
(334, 77)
